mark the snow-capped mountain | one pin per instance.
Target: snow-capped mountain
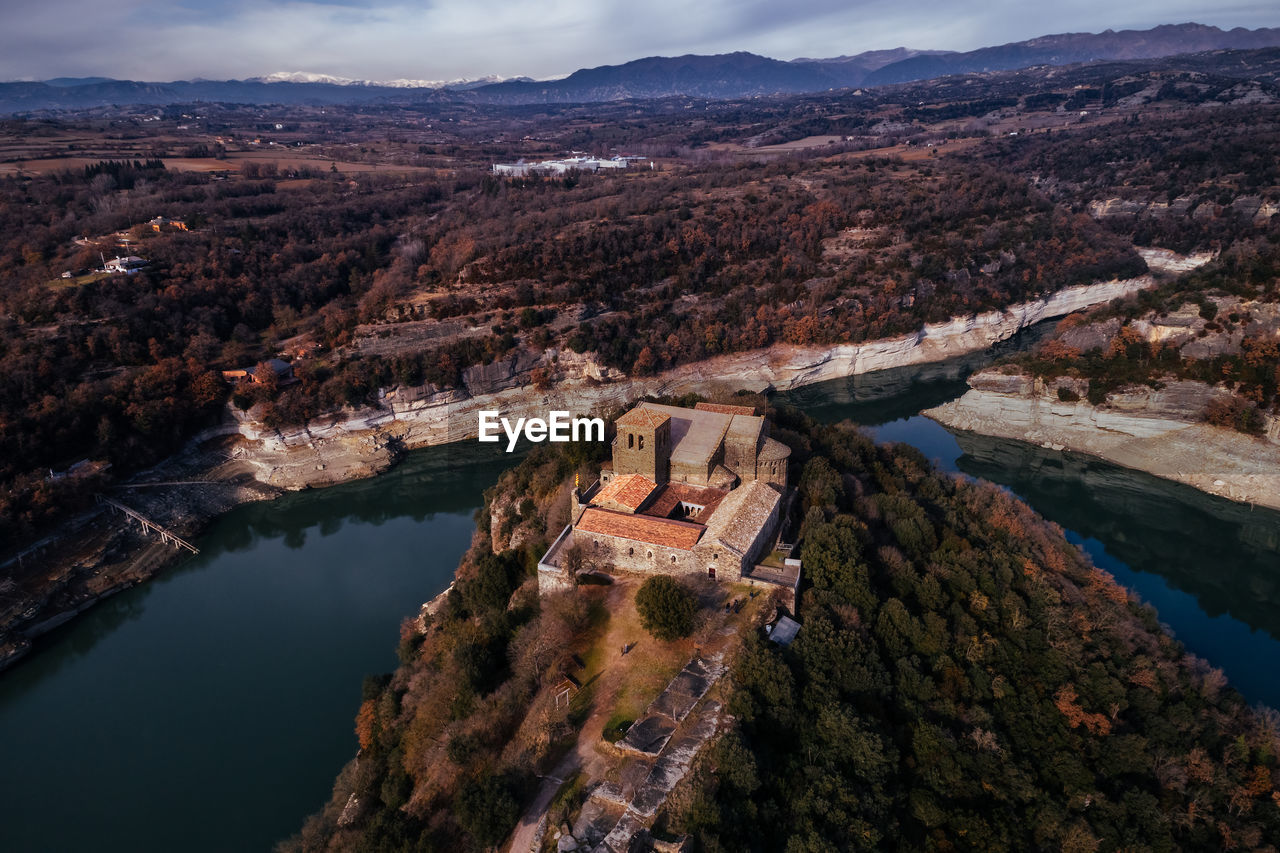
(314, 77)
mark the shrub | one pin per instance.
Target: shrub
(1066, 395)
(666, 608)
(487, 807)
(1235, 413)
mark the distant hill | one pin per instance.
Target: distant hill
(872, 59)
(739, 75)
(1069, 48)
(724, 76)
(730, 75)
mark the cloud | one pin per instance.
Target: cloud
(446, 39)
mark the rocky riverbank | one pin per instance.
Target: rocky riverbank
(1159, 431)
(100, 553)
(365, 442)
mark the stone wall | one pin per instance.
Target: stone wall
(628, 555)
(355, 444)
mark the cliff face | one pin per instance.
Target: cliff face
(365, 442)
(1154, 430)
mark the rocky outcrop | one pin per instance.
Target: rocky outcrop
(1158, 431)
(364, 442)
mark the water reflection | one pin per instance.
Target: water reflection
(900, 393)
(1225, 554)
(228, 684)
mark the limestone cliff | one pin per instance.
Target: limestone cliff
(361, 443)
(1159, 431)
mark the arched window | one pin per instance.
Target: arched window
(673, 559)
(631, 552)
(642, 442)
(650, 554)
(631, 440)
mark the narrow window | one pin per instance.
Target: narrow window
(631, 552)
(642, 442)
(711, 572)
(631, 441)
(673, 558)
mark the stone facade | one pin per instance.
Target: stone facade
(688, 492)
(643, 445)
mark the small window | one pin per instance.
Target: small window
(711, 572)
(642, 442)
(650, 554)
(673, 558)
(715, 556)
(631, 441)
(631, 552)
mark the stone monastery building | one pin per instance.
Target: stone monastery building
(688, 492)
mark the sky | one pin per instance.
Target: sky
(465, 39)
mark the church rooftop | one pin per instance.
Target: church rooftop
(696, 434)
(628, 491)
(643, 416)
(665, 532)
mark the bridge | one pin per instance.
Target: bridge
(149, 526)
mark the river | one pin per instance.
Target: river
(211, 708)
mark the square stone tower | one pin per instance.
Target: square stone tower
(643, 445)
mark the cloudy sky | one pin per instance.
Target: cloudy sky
(449, 39)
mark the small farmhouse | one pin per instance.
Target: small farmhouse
(688, 491)
(130, 264)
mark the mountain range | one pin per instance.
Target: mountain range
(724, 76)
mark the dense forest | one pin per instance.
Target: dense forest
(647, 270)
(964, 680)
(1188, 182)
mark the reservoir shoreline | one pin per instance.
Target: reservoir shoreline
(243, 462)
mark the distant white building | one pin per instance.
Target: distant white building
(522, 169)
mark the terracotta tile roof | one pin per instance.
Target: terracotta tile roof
(642, 416)
(641, 528)
(675, 493)
(724, 409)
(628, 491)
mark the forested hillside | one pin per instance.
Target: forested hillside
(647, 270)
(966, 680)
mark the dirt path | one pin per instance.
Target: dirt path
(646, 671)
(584, 754)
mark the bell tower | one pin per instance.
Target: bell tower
(643, 444)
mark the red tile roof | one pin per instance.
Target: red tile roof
(641, 528)
(725, 409)
(674, 493)
(628, 491)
